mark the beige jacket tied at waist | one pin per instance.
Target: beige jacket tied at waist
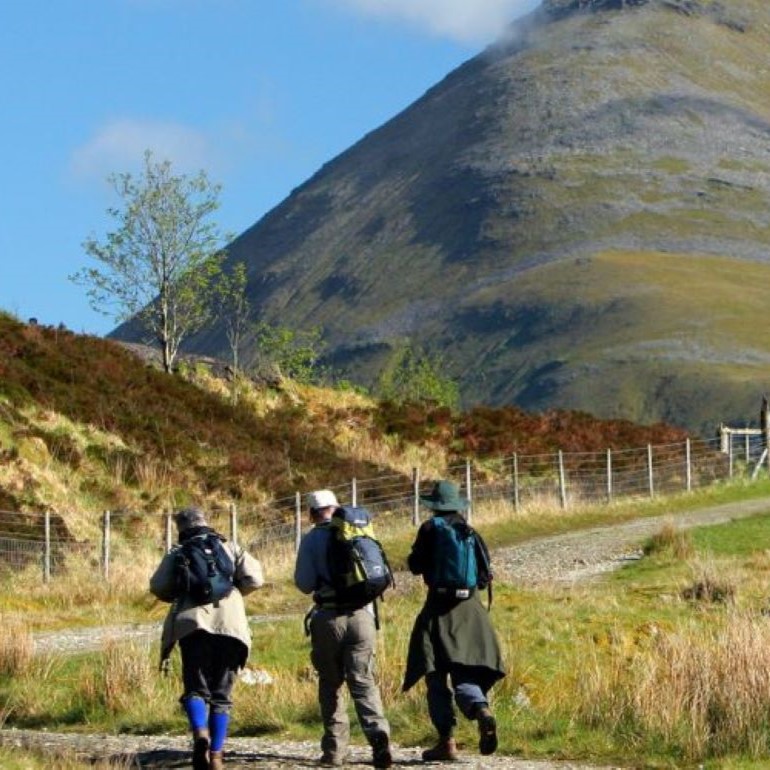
(226, 617)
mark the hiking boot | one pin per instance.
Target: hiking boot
(327, 759)
(487, 731)
(200, 758)
(216, 760)
(381, 756)
(444, 751)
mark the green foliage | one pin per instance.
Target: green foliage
(416, 377)
(232, 308)
(294, 353)
(157, 265)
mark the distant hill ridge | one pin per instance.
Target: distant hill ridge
(574, 218)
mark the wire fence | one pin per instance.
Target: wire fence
(42, 541)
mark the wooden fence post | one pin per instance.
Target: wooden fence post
(47, 548)
(515, 481)
(469, 489)
(649, 470)
(688, 465)
(354, 492)
(609, 475)
(416, 496)
(106, 545)
(297, 520)
(168, 532)
(234, 524)
(764, 419)
(730, 456)
(562, 481)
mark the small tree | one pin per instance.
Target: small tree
(416, 377)
(156, 266)
(232, 307)
(294, 353)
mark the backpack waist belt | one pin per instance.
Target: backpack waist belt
(457, 593)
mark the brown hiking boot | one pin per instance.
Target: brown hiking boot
(487, 731)
(444, 751)
(216, 760)
(200, 759)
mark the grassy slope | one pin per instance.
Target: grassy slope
(84, 425)
(677, 332)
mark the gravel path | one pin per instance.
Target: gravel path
(561, 559)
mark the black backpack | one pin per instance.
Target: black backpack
(204, 569)
(358, 566)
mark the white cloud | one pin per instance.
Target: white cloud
(467, 21)
(120, 145)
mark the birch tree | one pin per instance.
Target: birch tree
(156, 267)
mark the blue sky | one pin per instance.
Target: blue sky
(258, 93)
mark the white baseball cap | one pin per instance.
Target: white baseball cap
(322, 498)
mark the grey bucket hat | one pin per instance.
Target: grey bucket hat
(445, 496)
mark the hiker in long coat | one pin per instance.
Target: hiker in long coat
(214, 640)
(453, 641)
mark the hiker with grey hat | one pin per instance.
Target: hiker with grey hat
(453, 644)
(343, 642)
(205, 578)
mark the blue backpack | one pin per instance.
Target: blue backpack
(454, 565)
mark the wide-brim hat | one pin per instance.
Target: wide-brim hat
(445, 496)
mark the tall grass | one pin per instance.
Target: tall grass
(16, 647)
(702, 690)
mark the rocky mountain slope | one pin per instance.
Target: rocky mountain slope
(574, 218)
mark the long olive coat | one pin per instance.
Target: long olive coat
(227, 617)
(450, 631)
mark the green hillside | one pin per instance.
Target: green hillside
(502, 220)
(86, 425)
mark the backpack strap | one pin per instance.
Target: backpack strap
(484, 554)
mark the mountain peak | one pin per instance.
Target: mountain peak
(575, 218)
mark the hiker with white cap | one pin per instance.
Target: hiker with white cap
(343, 642)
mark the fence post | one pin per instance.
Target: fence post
(297, 520)
(515, 481)
(747, 448)
(106, 545)
(609, 475)
(168, 532)
(234, 523)
(730, 457)
(47, 547)
(469, 489)
(688, 469)
(416, 495)
(354, 492)
(562, 481)
(649, 470)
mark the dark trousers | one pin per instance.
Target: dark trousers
(469, 694)
(209, 665)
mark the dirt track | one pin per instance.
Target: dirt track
(568, 558)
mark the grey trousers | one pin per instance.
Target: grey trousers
(343, 652)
